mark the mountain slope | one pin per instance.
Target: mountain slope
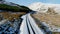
(9, 6)
(47, 13)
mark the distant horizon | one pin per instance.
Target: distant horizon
(28, 2)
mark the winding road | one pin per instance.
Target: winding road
(29, 26)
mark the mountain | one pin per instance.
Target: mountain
(12, 7)
(8, 3)
(43, 7)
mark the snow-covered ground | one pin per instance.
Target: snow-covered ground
(3, 21)
(52, 27)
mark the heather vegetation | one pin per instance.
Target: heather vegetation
(14, 8)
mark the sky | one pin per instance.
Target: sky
(28, 2)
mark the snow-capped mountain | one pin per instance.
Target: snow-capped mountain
(43, 7)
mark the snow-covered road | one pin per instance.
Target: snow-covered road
(29, 26)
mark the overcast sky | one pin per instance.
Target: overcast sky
(27, 2)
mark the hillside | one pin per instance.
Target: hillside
(14, 8)
(48, 13)
(11, 10)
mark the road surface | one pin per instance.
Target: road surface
(29, 26)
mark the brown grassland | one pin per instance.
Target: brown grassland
(10, 16)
